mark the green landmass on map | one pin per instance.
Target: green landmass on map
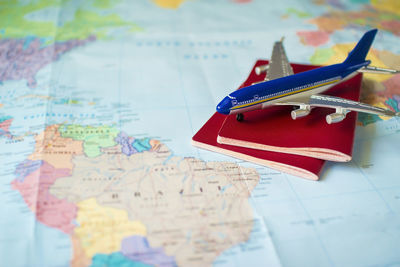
(18, 20)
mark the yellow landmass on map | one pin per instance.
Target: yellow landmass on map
(387, 5)
(101, 229)
(172, 4)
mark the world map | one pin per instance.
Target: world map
(99, 100)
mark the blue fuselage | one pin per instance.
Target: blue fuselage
(287, 88)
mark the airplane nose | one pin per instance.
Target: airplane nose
(224, 106)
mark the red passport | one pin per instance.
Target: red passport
(301, 166)
(273, 129)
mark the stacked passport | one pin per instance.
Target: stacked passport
(271, 138)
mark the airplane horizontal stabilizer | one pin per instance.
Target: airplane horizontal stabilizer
(377, 70)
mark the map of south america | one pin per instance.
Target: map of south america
(175, 210)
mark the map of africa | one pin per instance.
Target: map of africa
(99, 100)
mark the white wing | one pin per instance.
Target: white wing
(341, 105)
(348, 105)
(278, 66)
(377, 70)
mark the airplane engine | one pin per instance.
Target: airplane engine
(261, 69)
(335, 117)
(299, 113)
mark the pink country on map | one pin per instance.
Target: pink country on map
(313, 38)
(23, 58)
(242, 1)
(5, 123)
(51, 211)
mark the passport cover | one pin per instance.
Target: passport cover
(301, 166)
(273, 129)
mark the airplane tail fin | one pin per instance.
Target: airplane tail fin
(360, 51)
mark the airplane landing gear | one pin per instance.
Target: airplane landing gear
(239, 117)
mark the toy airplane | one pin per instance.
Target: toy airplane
(282, 87)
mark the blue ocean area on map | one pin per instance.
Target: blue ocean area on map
(96, 163)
